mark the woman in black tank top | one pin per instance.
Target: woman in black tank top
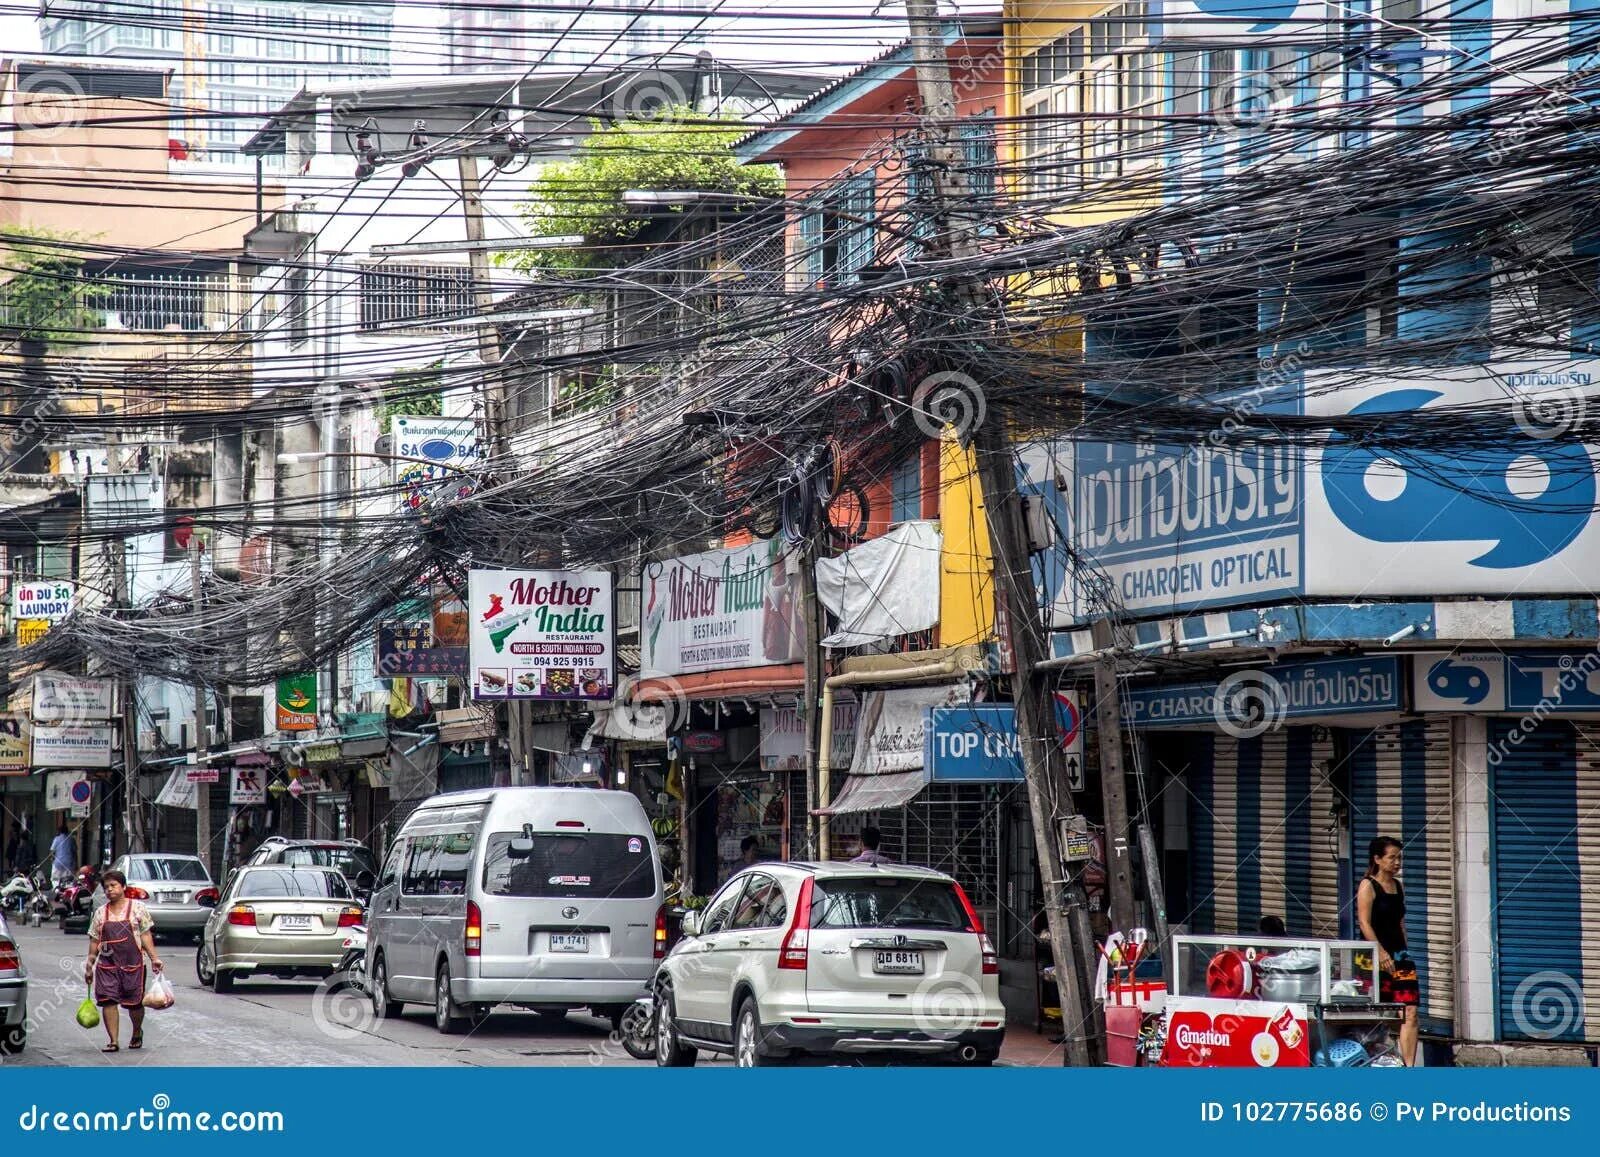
(1381, 912)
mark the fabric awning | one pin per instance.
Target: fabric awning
(881, 792)
(464, 724)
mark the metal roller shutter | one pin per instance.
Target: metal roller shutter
(952, 828)
(1400, 786)
(1546, 840)
(1261, 832)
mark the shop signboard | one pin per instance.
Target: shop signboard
(703, 742)
(1218, 521)
(540, 634)
(410, 649)
(783, 737)
(892, 727)
(431, 452)
(30, 631)
(203, 774)
(248, 786)
(720, 610)
(14, 747)
(297, 702)
(57, 745)
(1546, 682)
(61, 789)
(978, 743)
(61, 698)
(46, 600)
(178, 791)
(1250, 701)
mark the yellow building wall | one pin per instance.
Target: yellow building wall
(966, 581)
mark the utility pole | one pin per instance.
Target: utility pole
(202, 790)
(1113, 778)
(496, 412)
(811, 702)
(1048, 797)
(127, 690)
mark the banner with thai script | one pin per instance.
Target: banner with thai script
(720, 610)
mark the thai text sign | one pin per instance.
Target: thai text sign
(540, 634)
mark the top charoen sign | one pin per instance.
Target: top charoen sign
(1226, 21)
(540, 634)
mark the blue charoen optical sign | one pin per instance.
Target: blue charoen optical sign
(1320, 687)
(1542, 682)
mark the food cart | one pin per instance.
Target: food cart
(1271, 1002)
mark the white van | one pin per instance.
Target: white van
(547, 898)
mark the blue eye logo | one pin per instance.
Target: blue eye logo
(1267, 16)
(438, 449)
(1530, 498)
(1460, 681)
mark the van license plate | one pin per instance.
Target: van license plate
(909, 963)
(569, 942)
(295, 923)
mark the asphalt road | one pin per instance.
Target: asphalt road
(278, 1022)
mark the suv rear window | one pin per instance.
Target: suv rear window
(265, 883)
(566, 865)
(868, 902)
(350, 861)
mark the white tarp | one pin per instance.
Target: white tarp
(890, 729)
(883, 588)
(178, 791)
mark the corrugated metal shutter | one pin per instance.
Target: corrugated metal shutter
(1546, 839)
(1261, 832)
(952, 828)
(1400, 786)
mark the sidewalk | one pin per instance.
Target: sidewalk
(1025, 1048)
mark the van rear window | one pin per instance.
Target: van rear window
(597, 865)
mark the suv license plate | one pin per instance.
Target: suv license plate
(569, 942)
(898, 962)
(295, 923)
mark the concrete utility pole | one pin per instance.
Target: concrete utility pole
(202, 791)
(497, 411)
(1113, 779)
(134, 836)
(1048, 797)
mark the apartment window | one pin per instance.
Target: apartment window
(398, 295)
(837, 238)
(189, 300)
(906, 490)
(297, 309)
(978, 156)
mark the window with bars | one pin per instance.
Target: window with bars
(414, 295)
(837, 238)
(186, 300)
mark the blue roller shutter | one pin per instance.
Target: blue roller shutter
(1546, 842)
(1400, 786)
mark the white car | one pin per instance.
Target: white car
(176, 888)
(838, 960)
(13, 995)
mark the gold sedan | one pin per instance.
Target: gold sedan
(277, 919)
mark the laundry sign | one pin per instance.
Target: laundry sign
(50, 600)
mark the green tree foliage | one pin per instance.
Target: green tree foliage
(413, 393)
(44, 296)
(583, 196)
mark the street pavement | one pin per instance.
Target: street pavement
(278, 1022)
(299, 1022)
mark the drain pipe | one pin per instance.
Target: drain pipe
(825, 747)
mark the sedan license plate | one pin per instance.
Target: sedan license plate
(906, 963)
(295, 923)
(569, 942)
(169, 897)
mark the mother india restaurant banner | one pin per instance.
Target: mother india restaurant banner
(540, 634)
(720, 610)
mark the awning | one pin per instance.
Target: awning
(464, 724)
(881, 792)
(363, 734)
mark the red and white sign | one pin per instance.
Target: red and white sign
(1205, 1033)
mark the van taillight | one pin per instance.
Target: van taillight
(991, 958)
(474, 944)
(9, 957)
(661, 932)
(797, 940)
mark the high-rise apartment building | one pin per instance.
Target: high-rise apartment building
(233, 61)
(569, 33)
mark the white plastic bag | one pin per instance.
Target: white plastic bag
(158, 991)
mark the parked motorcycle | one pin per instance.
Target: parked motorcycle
(75, 900)
(352, 971)
(638, 1029)
(16, 893)
(42, 904)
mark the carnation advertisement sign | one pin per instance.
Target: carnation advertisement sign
(541, 634)
(720, 610)
(1237, 1034)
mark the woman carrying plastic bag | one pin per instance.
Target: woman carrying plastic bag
(158, 991)
(119, 939)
